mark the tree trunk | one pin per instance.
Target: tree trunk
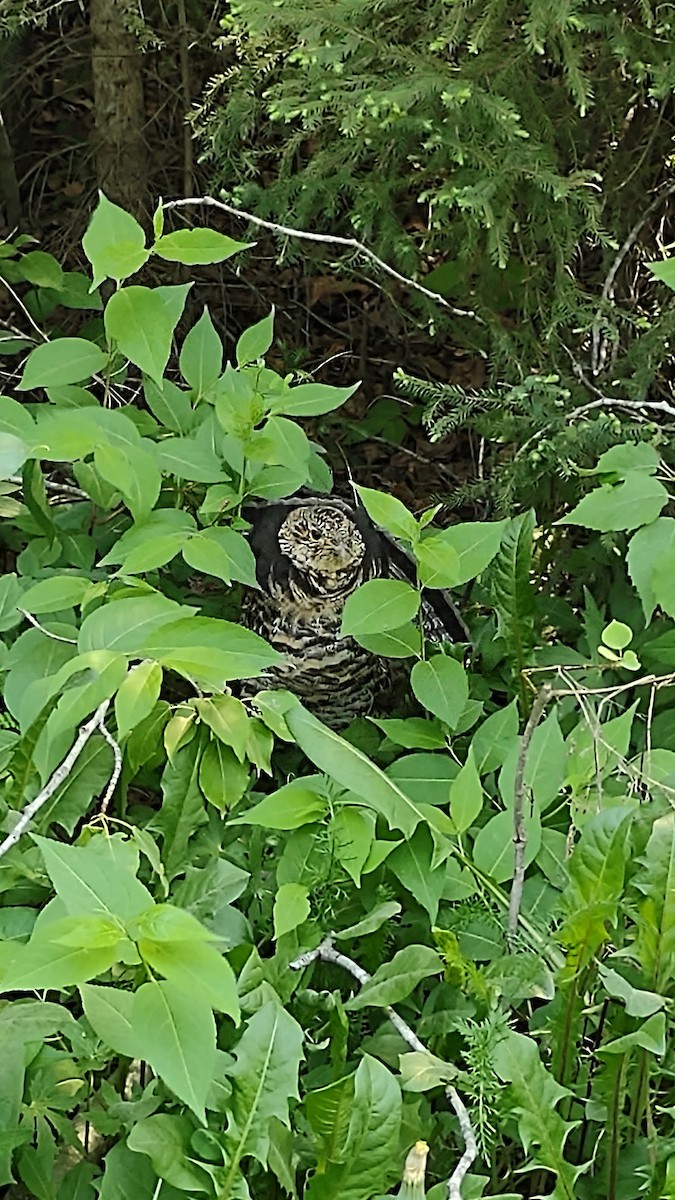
(121, 153)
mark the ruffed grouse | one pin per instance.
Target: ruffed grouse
(311, 554)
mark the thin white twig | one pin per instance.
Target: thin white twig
(66, 488)
(61, 773)
(55, 636)
(326, 239)
(117, 769)
(327, 953)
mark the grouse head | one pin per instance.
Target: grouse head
(321, 540)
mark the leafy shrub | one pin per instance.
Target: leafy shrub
(168, 887)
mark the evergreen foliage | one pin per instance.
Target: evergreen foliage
(508, 147)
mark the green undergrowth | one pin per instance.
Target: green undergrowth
(174, 1021)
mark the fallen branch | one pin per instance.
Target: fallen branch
(326, 953)
(327, 239)
(61, 773)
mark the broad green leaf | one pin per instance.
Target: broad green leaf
(201, 357)
(141, 321)
(425, 778)
(545, 765)
(441, 686)
(369, 1159)
(255, 341)
(67, 434)
(99, 878)
(421, 1071)
(188, 459)
(665, 271)
(466, 796)
(623, 460)
(291, 908)
(176, 1029)
(195, 247)
(137, 696)
(596, 878)
(165, 1138)
(114, 243)
(475, 543)
(404, 642)
(351, 768)
(222, 777)
(395, 980)
(312, 399)
(512, 589)
(329, 1111)
(227, 718)
(389, 513)
(12, 1082)
(223, 552)
(650, 548)
(42, 269)
(169, 404)
(493, 850)
(134, 472)
(534, 1095)
(108, 1010)
(352, 830)
(209, 649)
(127, 1176)
(66, 360)
(16, 419)
(289, 807)
(437, 563)
(45, 963)
(635, 501)
(415, 733)
(264, 1079)
(55, 594)
(374, 921)
(280, 442)
(152, 542)
(126, 624)
(413, 864)
(197, 967)
(182, 813)
(651, 1036)
(378, 605)
(638, 1003)
(493, 740)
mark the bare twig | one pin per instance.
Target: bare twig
(61, 773)
(65, 489)
(326, 239)
(519, 832)
(117, 769)
(326, 953)
(47, 632)
(598, 344)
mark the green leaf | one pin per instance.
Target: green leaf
(638, 1003)
(151, 543)
(291, 908)
(45, 963)
(596, 877)
(175, 1027)
(66, 360)
(466, 796)
(227, 718)
(108, 1010)
(222, 777)
(188, 459)
(209, 649)
(134, 472)
(141, 321)
(13, 454)
(404, 642)
(137, 696)
(289, 807)
(255, 341)
(198, 968)
(475, 544)
(665, 271)
(201, 358)
(264, 1079)
(114, 243)
(534, 1094)
(441, 686)
(378, 605)
(166, 1140)
(437, 563)
(635, 501)
(195, 247)
(617, 636)
(311, 399)
(169, 404)
(223, 552)
(369, 1158)
(415, 733)
(655, 944)
(395, 980)
(545, 765)
(493, 850)
(389, 513)
(126, 624)
(127, 1176)
(42, 270)
(651, 1036)
(370, 924)
(55, 594)
(513, 591)
(424, 777)
(351, 768)
(413, 864)
(652, 549)
(352, 831)
(495, 737)
(15, 419)
(97, 878)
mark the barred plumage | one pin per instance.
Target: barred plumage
(311, 554)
